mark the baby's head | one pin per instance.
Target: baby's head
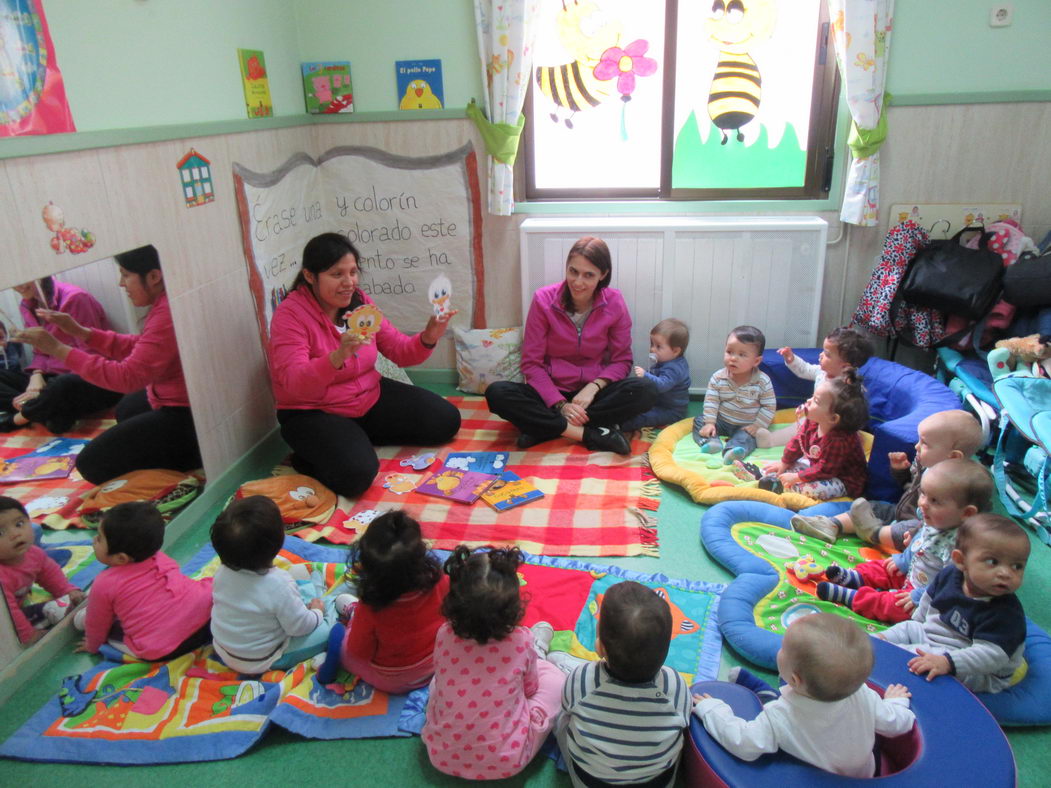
(948, 434)
(634, 631)
(668, 339)
(483, 602)
(391, 559)
(129, 533)
(248, 534)
(954, 490)
(844, 347)
(744, 351)
(840, 403)
(825, 657)
(991, 551)
(16, 531)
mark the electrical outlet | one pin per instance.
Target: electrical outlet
(1001, 15)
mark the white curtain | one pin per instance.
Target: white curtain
(506, 32)
(861, 31)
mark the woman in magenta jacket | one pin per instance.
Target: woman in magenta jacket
(154, 426)
(576, 360)
(332, 403)
(20, 390)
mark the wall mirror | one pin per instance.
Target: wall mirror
(70, 421)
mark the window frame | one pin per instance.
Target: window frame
(821, 140)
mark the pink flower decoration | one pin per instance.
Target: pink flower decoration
(626, 64)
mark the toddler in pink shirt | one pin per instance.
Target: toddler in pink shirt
(142, 604)
(23, 563)
(493, 698)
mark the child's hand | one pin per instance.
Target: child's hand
(639, 372)
(931, 664)
(76, 596)
(82, 646)
(316, 604)
(702, 696)
(752, 429)
(896, 691)
(774, 468)
(708, 431)
(787, 354)
(905, 601)
(899, 460)
(801, 412)
(891, 566)
(906, 538)
(789, 479)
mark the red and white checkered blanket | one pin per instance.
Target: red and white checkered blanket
(594, 504)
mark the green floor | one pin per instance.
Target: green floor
(283, 758)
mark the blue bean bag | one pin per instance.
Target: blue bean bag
(1026, 703)
(899, 399)
(953, 742)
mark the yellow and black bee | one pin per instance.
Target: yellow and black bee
(735, 27)
(585, 32)
(572, 87)
(735, 93)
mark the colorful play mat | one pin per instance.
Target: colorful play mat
(675, 457)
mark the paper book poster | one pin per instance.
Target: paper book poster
(256, 85)
(510, 491)
(419, 84)
(327, 88)
(36, 468)
(461, 486)
(492, 462)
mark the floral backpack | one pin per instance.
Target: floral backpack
(919, 326)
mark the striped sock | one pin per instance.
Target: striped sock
(840, 595)
(841, 576)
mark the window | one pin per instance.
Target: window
(681, 100)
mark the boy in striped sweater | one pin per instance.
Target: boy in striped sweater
(740, 399)
(622, 717)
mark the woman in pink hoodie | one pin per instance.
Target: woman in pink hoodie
(332, 403)
(20, 390)
(576, 360)
(154, 426)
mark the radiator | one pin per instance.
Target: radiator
(714, 273)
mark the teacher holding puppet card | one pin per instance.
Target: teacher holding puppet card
(332, 403)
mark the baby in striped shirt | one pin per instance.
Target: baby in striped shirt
(740, 399)
(623, 716)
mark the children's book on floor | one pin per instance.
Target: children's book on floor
(493, 462)
(36, 467)
(509, 491)
(327, 88)
(455, 485)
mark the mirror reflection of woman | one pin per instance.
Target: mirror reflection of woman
(576, 361)
(154, 425)
(332, 403)
(22, 397)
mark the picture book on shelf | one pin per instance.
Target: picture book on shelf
(255, 83)
(327, 88)
(461, 486)
(510, 491)
(419, 84)
(481, 461)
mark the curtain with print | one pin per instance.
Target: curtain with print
(506, 31)
(861, 32)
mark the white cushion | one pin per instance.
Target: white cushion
(484, 355)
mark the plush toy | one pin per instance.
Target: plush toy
(805, 568)
(1034, 350)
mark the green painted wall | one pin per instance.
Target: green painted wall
(946, 47)
(131, 63)
(373, 34)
